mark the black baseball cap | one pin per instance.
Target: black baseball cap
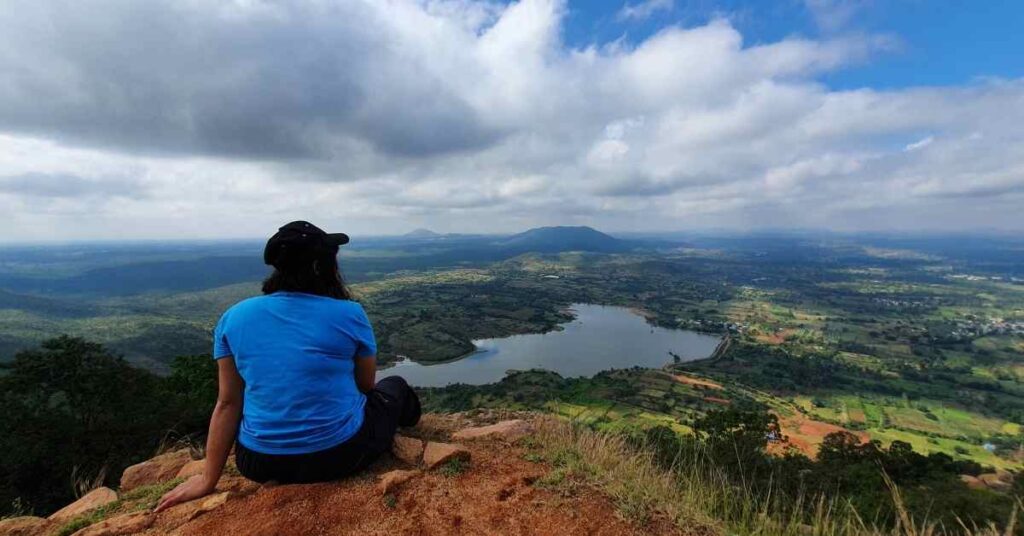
(300, 240)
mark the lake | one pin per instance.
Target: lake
(599, 338)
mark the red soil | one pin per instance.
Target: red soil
(775, 338)
(689, 380)
(495, 495)
(807, 434)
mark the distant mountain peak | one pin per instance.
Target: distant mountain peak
(421, 233)
(564, 238)
(566, 229)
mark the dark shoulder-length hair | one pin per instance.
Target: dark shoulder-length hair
(318, 275)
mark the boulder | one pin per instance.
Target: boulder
(508, 430)
(214, 501)
(972, 482)
(237, 485)
(25, 526)
(408, 449)
(183, 513)
(391, 480)
(192, 468)
(437, 453)
(155, 470)
(94, 499)
(120, 525)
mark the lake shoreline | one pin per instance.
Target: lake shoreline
(597, 338)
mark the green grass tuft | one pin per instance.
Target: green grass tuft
(454, 467)
(137, 500)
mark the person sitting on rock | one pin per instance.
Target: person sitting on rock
(296, 370)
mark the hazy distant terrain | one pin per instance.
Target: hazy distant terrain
(153, 301)
(914, 342)
(879, 333)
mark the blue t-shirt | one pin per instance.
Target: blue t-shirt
(296, 353)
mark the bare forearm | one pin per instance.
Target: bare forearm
(365, 386)
(223, 429)
(366, 373)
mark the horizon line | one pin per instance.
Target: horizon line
(695, 232)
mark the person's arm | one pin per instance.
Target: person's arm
(366, 373)
(366, 350)
(223, 429)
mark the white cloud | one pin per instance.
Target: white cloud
(919, 144)
(644, 10)
(462, 115)
(834, 15)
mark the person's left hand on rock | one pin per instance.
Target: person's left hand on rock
(189, 490)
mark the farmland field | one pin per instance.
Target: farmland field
(924, 348)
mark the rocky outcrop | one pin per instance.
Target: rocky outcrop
(120, 525)
(408, 449)
(25, 526)
(192, 468)
(494, 496)
(161, 468)
(412, 451)
(209, 503)
(510, 430)
(391, 480)
(181, 514)
(90, 501)
(239, 486)
(436, 454)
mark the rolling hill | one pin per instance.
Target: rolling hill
(564, 238)
(422, 233)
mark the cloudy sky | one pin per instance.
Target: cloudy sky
(214, 118)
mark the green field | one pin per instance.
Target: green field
(884, 342)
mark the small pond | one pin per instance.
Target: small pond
(599, 338)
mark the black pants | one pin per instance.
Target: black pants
(392, 403)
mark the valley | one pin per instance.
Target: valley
(895, 345)
(898, 344)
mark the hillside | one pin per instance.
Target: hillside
(564, 238)
(421, 233)
(496, 481)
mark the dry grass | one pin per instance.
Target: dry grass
(635, 483)
(82, 483)
(698, 498)
(173, 441)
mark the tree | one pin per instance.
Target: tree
(737, 436)
(193, 381)
(72, 407)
